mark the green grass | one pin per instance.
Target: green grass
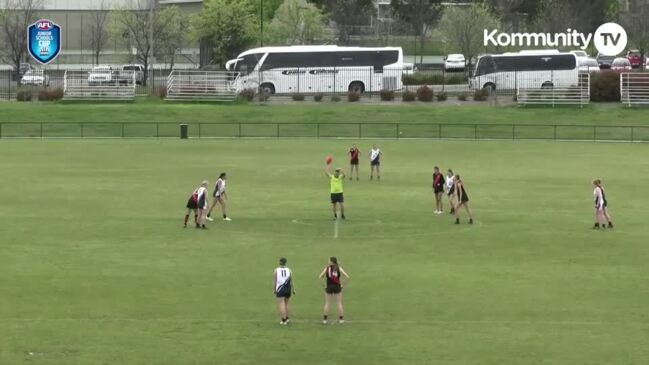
(95, 269)
(152, 111)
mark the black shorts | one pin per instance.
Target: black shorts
(353, 162)
(201, 202)
(451, 191)
(438, 190)
(465, 199)
(337, 198)
(375, 162)
(191, 204)
(333, 289)
(283, 294)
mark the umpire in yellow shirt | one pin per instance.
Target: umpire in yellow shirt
(336, 181)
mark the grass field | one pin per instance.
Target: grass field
(96, 269)
(310, 112)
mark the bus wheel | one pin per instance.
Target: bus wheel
(357, 87)
(267, 88)
(490, 87)
(547, 85)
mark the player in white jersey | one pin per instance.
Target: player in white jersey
(601, 206)
(219, 197)
(202, 204)
(450, 188)
(375, 162)
(283, 289)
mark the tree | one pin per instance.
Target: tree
(511, 12)
(96, 31)
(583, 15)
(636, 24)
(347, 14)
(14, 21)
(144, 28)
(226, 26)
(420, 14)
(464, 27)
(173, 24)
(297, 22)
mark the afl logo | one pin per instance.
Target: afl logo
(44, 25)
(44, 41)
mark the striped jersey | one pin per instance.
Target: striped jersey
(282, 279)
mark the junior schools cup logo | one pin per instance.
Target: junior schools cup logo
(44, 41)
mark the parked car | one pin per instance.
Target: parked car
(22, 70)
(127, 71)
(454, 62)
(604, 61)
(35, 78)
(588, 64)
(580, 54)
(409, 68)
(101, 75)
(634, 57)
(621, 64)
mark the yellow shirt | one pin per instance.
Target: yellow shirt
(336, 183)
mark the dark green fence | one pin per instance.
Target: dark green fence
(327, 130)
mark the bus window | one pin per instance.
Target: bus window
(248, 63)
(485, 66)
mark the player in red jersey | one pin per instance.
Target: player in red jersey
(353, 154)
(438, 190)
(333, 289)
(192, 206)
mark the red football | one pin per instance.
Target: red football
(329, 160)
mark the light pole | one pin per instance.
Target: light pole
(261, 24)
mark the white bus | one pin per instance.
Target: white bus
(311, 69)
(526, 69)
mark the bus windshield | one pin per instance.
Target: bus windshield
(247, 64)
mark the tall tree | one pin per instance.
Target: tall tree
(346, 14)
(583, 15)
(226, 26)
(636, 24)
(173, 24)
(96, 31)
(463, 28)
(297, 22)
(511, 12)
(420, 14)
(14, 20)
(144, 28)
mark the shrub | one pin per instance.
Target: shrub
(605, 86)
(161, 92)
(430, 78)
(335, 98)
(462, 96)
(24, 94)
(50, 94)
(386, 95)
(263, 95)
(353, 96)
(318, 97)
(408, 96)
(297, 97)
(424, 93)
(247, 94)
(481, 95)
(442, 96)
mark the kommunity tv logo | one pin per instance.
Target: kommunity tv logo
(610, 39)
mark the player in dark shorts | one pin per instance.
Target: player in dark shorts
(601, 206)
(450, 187)
(283, 288)
(438, 190)
(192, 206)
(333, 288)
(462, 200)
(353, 154)
(375, 162)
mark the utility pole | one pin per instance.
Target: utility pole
(261, 24)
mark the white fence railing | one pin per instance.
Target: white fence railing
(578, 94)
(634, 88)
(111, 85)
(200, 86)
